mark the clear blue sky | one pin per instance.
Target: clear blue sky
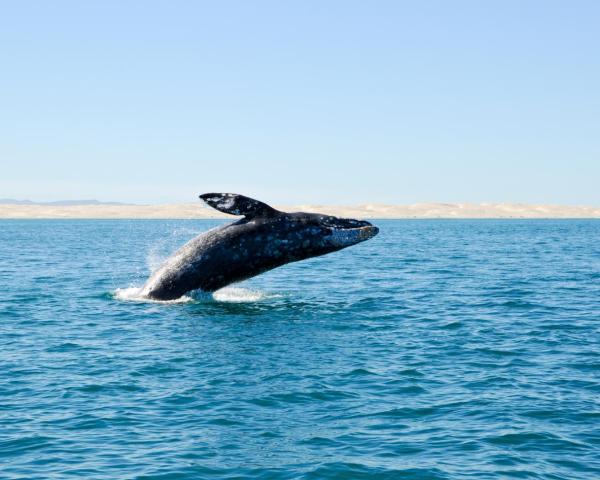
(301, 101)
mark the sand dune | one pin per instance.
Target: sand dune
(417, 210)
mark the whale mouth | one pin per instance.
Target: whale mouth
(344, 237)
(368, 231)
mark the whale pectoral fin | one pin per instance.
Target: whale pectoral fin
(235, 204)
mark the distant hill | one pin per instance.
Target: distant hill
(12, 201)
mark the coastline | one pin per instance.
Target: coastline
(380, 211)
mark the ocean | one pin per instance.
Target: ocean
(440, 349)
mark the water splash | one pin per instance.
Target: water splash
(239, 295)
(134, 294)
(162, 249)
(225, 295)
(155, 258)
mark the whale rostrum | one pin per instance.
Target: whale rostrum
(265, 238)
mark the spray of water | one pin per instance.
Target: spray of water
(156, 256)
(160, 251)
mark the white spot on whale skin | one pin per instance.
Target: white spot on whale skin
(227, 203)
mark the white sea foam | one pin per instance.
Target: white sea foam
(134, 294)
(238, 295)
(225, 295)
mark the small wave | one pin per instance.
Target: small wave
(360, 470)
(226, 295)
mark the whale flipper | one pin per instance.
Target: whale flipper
(235, 204)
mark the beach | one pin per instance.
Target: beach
(197, 210)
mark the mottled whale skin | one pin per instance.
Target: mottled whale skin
(263, 239)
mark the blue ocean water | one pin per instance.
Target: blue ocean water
(447, 349)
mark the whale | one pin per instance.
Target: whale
(263, 239)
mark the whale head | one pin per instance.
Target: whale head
(313, 234)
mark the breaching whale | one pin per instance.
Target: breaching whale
(263, 239)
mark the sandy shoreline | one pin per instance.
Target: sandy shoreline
(196, 210)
